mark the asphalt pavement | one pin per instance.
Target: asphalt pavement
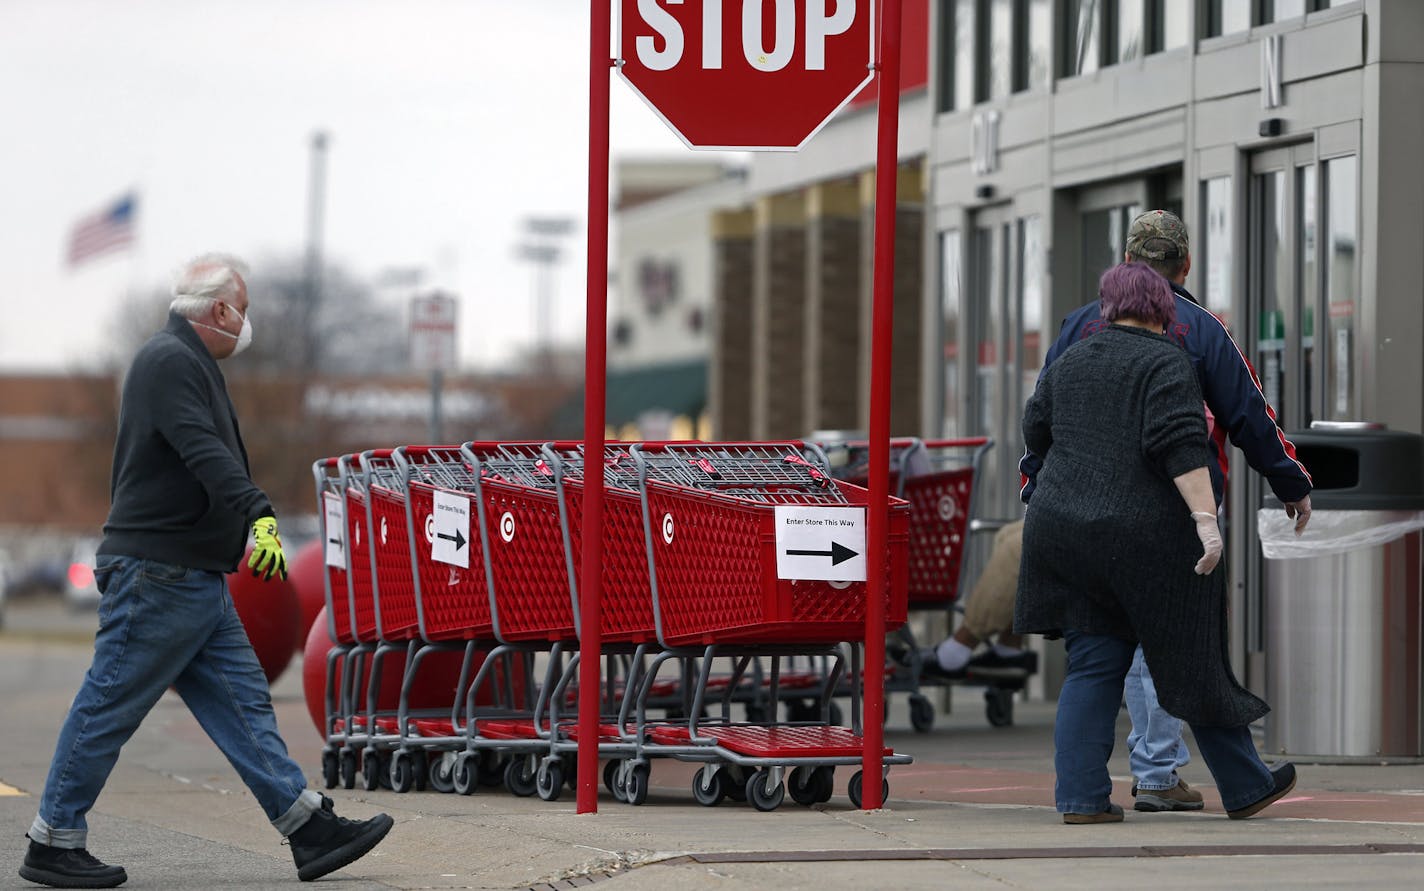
(973, 811)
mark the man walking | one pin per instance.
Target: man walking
(1238, 409)
(182, 502)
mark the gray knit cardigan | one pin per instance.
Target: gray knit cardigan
(1109, 544)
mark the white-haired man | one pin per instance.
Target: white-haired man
(182, 502)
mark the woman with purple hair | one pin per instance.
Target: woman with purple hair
(1121, 546)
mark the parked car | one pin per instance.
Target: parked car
(80, 591)
(4, 582)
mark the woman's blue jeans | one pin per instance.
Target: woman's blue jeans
(1086, 727)
(159, 626)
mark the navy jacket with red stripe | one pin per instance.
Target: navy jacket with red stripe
(1237, 406)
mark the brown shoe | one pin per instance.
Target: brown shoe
(1179, 798)
(1283, 775)
(1112, 815)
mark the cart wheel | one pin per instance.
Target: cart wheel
(762, 797)
(383, 770)
(348, 769)
(999, 706)
(442, 773)
(549, 780)
(519, 776)
(636, 787)
(756, 713)
(825, 783)
(370, 771)
(804, 785)
(466, 774)
(610, 779)
(735, 779)
(856, 781)
(402, 772)
(921, 713)
(837, 716)
(491, 768)
(709, 786)
(330, 768)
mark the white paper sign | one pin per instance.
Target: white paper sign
(452, 529)
(335, 528)
(820, 542)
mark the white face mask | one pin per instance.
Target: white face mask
(243, 336)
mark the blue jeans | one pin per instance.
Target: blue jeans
(1085, 729)
(1156, 750)
(160, 626)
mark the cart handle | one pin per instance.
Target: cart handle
(967, 442)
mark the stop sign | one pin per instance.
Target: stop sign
(746, 74)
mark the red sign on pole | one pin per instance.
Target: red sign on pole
(746, 74)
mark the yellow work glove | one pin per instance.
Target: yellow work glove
(267, 550)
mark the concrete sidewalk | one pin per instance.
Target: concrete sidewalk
(974, 811)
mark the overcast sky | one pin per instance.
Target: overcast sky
(450, 120)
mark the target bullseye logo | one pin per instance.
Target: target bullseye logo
(667, 529)
(356, 533)
(506, 526)
(383, 530)
(948, 507)
(430, 529)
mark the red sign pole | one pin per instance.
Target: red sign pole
(882, 321)
(595, 376)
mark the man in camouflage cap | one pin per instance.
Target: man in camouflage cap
(1159, 239)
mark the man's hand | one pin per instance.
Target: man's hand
(1210, 535)
(267, 550)
(1300, 511)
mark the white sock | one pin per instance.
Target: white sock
(952, 654)
(1007, 652)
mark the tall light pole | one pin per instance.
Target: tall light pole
(316, 219)
(542, 249)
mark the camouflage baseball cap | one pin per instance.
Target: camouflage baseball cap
(1157, 235)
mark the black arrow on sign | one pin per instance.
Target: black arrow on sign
(838, 553)
(335, 541)
(457, 538)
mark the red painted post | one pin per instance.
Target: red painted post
(595, 371)
(882, 321)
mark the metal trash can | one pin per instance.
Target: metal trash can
(1342, 602)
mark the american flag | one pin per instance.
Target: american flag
(109, 229)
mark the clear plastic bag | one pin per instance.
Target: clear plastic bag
(1332, 531)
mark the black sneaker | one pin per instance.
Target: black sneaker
(69, 868)
(991, 664)
(326, 842)
(930, 668)
(1282, 781)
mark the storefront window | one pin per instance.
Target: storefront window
(1280, 10)
(964, 54)
(1172, 24)
(1030, 303)
(1216, 292)
(1305, 232)
(1129, 30)
(1036, 31)
(951, 312)
(1082, 43)
(1228, 17)
(1000, 57)
(1341, 284)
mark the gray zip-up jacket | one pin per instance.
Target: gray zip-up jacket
(181, 489)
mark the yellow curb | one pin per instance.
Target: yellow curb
(6, 791)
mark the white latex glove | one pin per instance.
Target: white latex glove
(1210, 535)
(1300, 511)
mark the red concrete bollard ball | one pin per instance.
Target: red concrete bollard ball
(307, 574)
(434, 689)
(270, 613)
